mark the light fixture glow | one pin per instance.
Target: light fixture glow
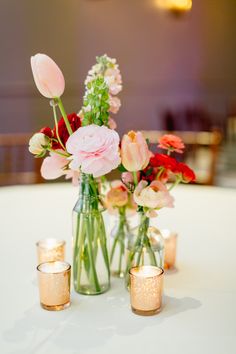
(177, 6)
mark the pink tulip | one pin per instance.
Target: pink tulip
(47, 76)
(134, 151)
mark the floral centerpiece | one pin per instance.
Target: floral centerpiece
(82, 147)
(146, 178)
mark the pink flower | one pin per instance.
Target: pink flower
(113, 80)
(117, 196)
(114, 104)
(128, 178)
(94, 149)
(172, 143)
(153, 196)
(112, 123)
(53, 166)
(134, 151)
(47, 76)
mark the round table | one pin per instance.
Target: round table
(199, 310)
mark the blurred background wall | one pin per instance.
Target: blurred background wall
(168, 63)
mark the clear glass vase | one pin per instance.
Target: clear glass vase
(146, 247)
(91, 272)
(120, 233)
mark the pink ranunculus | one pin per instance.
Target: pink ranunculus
(134, 151)
(172, 143)
(53, 166)
(47, 76)
(114, 104)
(153, 196)
(94, 149)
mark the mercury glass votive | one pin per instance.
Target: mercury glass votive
(50, 249)
(170, 243)
(54, 285)
(146, 287)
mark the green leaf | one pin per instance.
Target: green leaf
(121, 168)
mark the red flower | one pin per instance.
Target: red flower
(186, 172)
(172, 143)
(47, 131)
(162, 160)
(75, 123)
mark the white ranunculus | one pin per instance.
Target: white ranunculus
(37, 143)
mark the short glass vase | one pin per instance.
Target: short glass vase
(145, 247)
(119, 236)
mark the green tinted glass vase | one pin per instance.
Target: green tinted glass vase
(91, 272)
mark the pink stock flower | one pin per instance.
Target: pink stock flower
(115, 104)
(153, 196)
(112, 123)
(172, 143)
(47, 76)
(134, 151)
(94, 149)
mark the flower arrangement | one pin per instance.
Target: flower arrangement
(146, 176)
(85, 147)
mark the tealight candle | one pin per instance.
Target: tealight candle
(54, 285)
(50, 249)
(146, 286)
(170, 241)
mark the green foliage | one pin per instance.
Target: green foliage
(96, 103)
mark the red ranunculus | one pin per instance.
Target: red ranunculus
(162, 160)
(47, 131)
(75, 123)
(185, 172)
(149, 174)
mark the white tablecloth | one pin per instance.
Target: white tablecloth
(199, 313)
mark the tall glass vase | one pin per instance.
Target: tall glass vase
(120, 233)
(146, 247)
(91, 272)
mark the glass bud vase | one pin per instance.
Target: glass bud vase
(120, 233)
(146, 247)
(91, 272)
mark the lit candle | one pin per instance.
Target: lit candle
(146, 286)
(50, 249)
(54, 285)
(170, 241)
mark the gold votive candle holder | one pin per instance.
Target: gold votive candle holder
(54, 285)
(170, 245)
(50, 249)
(146, 288)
